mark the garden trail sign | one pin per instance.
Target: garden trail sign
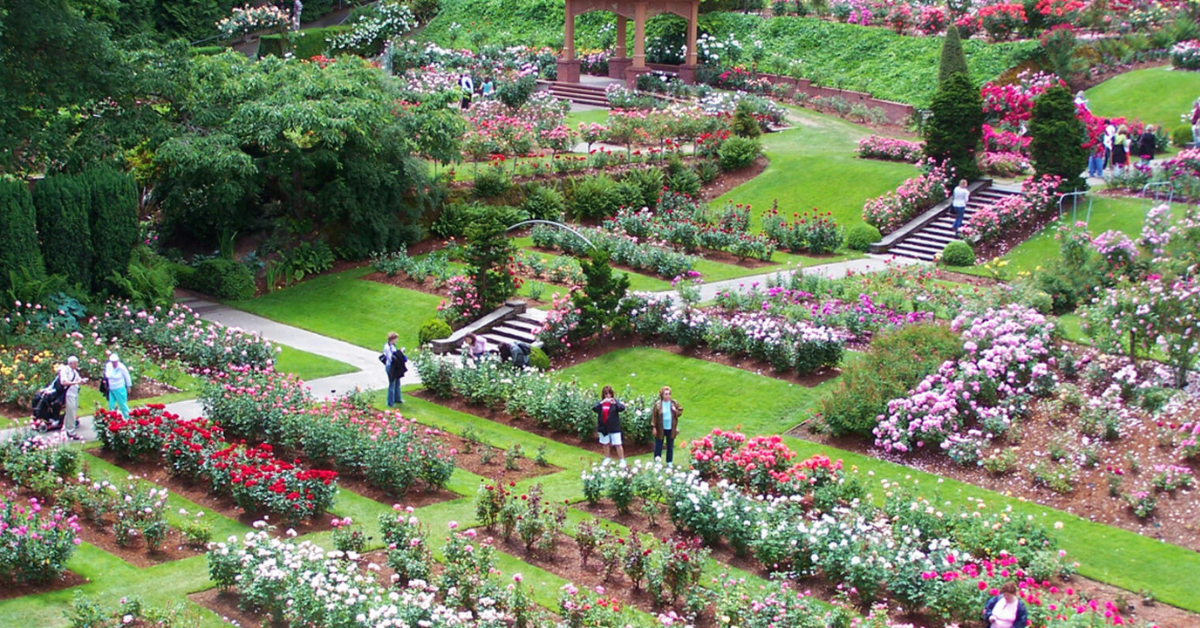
(621, 66)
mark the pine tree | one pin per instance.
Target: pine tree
(1056, 144)
(954, 60)
(956, 125)
(63, 220)
(19, 254)
(600, 298)
(114, 222)
(488, 256)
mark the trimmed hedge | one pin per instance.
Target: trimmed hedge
(63, 206)
(860, 237)
(306, 44)
(114, 222)
(958, 253)
(224, 279)
(18, 233)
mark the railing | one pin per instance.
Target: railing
(553, 224)
(1075, 205)
(1157, 191)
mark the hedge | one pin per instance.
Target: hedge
(114, 222)
(307, 44)
(18, 232)
(63, 205)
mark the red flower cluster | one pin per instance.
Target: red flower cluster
(138, 435)
(760, 464)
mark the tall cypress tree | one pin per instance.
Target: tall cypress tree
(1056, 144)
(600, 298)
(114, 222)
(63, 220)
(954, 60)
(19, 253)
(956, 125)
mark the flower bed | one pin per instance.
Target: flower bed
(760, 465)
(890, 148)
(564, 407)
(690, 225)
(35, 542)
(818, 234)
(180, 332)
(253, 403)
(890, 211)
(990, 222)
(621, 249)
(1185, 55)
(788, 346)
(1003, 163)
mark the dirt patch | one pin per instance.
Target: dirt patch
(470, 457)
(65, 580)
(137, 554)
(225, 605)
(729, 180)
(156, 473)
(525, 425)
(417, 496)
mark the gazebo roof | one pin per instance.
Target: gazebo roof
(627, 8)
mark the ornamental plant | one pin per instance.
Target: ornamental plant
(1185, 55)
(249, 19)
(955, 128)
(253, 403)
(35, 541)
(136, 437)
(1055, 148)
(890, 211)
(1001, 21)
(408, 554)
(890, 148)
(260, 482)
(818, 234)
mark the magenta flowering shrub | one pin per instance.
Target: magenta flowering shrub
(35, 542)
(1003, 163)
(999, 140)
(932, 20)
(890, 211)
(1008, 359)
(890, 148)
(1013, 212)
(558, 330)
(462, 302)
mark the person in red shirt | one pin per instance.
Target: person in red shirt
(608, 426)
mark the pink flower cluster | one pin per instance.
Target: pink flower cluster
(890, 148)
(992, 220)
(890, 211)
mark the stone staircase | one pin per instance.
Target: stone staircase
(511, 322)
(928, 234)
(577, 93)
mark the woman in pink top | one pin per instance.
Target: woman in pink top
(1006, 610)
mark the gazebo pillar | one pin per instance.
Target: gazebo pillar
(639, 45)
(620, 60)
(568, 65)
(687, 71)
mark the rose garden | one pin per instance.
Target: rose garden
(886, 419)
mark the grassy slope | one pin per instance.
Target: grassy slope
(342, 306)
(1155, 95)
(307, 365)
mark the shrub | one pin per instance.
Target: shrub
(34, 558)
(1056, 131)
(744, 123)
(649, 181)
(895, 361)
(492, 182)
(539, 360)
(18, 232)
(686, 181)
(253, 403)
(861, 237)
(1185, 55)
(953, 61)
(114, 222)
(958, 253)
(433, 329)
(628, 195)
(738, 152)
(956, 125)
(224, 279)
(63, 220)
(1181, 136)
(594, 197)
(543, 202)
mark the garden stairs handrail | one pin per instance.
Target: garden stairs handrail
(931, 214)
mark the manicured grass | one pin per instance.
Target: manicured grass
(813, 166)
(596, 116)
(343, 306)
(308, 366)
(1155, 95)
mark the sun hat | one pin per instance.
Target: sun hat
(112, 357)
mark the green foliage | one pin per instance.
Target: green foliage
(114, 222)
(895, 362)
(456, 218)
(958, 253)
(953, 60)
(539, 360)
(488, 255)
(543, 202)
(744, 123)
(738, 152)
(686, 181)
(1181, 136)
(594, 197)
(649, 181)
(599, 300)
(956, 125)
(1057, 134)
(224, 279)
(19, 255)
(148, 281)
(304, 45)
(516, 93)
(63, 219)
(433, 329)
(492, 182)
(861, 237)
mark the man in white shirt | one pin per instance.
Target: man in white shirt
(69, 379)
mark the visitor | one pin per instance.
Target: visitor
(962, 195)
(474, 347)
(1110, 134)
(119, 383)
(1147, 145)
(608, 424)
(489, 90)
(1120, 149)
(468, 90)
(1196, 123)
(664, 422)
(395, 364)
(516, 352)
(1096, 161)
(1081, 100)
(70, 380)
(1006, 610)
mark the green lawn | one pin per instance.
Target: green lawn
(813, 166)
(1155, 95)
(597, 116)
(343, 306)
(307, 365)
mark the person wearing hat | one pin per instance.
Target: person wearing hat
(119, 384)
(70, 380)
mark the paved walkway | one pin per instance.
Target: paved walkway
(370, 374)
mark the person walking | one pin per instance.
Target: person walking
(474, 347)
(468, 90)
(70, 380)
(608, 422)
(516, 352)
(395, 363)
(119, 383)
(488, 89)
(1110, 134)
(962, 196)
(1096, 161)
(1147, 145)
(1006, 610)
(1120, 149)
(664, 422)
(1196, 123)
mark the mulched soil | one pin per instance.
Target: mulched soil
(729, 180)
(1176, 520)
(225, 605)
(494, 470)
(65, 580)
(608, 344)
(155, 472)
(525, 425)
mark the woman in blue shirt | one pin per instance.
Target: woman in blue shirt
(664, 420)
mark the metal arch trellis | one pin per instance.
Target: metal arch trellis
(1075, 205)
(1157, 191)
(553, 224)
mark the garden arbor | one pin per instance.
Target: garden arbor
(620, 65)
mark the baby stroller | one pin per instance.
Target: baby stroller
(48, 405)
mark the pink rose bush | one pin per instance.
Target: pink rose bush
(35, 541)
(1004, 164)
(890, 148)
(991, 221)
(890, 211)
